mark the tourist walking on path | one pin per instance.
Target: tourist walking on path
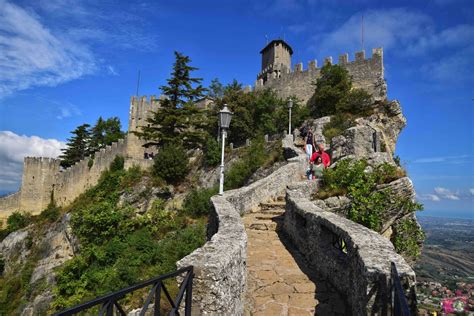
(309, 143)
(324, 156)
(317, 168)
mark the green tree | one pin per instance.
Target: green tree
(178, 121)
(77, 147)
(334, 94)
(105, 132)
(171, 163)
(216, 89)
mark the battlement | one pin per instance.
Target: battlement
(366, 73)
(140, 109)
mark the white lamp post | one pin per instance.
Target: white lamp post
(224, 122)
(290, 105)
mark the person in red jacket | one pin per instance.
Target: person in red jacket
(323, 154)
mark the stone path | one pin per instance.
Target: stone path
(276, 282)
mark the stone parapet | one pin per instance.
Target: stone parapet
(355, 259)
(220, 265)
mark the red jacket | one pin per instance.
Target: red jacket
(325, 157)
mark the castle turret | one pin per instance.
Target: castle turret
(276, 58)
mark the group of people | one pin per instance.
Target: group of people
(148, 156)
(318, 159)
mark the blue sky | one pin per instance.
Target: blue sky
(66, 62)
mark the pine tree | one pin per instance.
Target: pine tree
(104, 133)
(178, 121)
(77, 146)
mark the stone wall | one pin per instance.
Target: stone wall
(73, 181)
(220, 265)
(8, 205)
(37, 182)
(362, 271)
(367, 74)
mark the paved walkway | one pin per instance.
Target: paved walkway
(279, 282)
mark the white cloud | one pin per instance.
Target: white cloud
(32, 55)
(429, 197)
(446, 194)
(471, 190)
(13, 148)
(382, 28)
(445, 159)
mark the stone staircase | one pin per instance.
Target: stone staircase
(278, 281)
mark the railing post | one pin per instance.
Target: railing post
(189, 294)
(110, 308)
(157, 299)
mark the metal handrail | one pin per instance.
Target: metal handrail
(400, 304)
(110, 301)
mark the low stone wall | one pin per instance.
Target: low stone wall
(220, 265)
(361, 272)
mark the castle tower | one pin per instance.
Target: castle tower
(140, 110)
(37, 183)
(276, 58)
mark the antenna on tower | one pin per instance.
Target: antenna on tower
(362, 31)
(266, 39)
(138, 81)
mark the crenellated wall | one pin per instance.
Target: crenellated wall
(71, 182)
(43, 176)
(367, 73)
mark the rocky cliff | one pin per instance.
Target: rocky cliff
(373, 139)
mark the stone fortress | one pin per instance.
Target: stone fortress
(43, 178)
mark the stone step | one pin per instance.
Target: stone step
(272, 205)
(262, 225)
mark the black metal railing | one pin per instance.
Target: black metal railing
(399, 303)
(109, 304)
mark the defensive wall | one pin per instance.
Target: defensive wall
(43, 177)
(362, 274)
(366, 73)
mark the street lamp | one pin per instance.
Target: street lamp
(290, 105)
(224, 122)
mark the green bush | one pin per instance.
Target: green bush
(198, 201)
(171, 164)
(408, 237)
(51, 213)
(18, 221)
(212, 154)
(117, 163)
(367, 203)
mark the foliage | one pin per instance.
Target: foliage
(254, 157)
(18, 221)
(216, 89)
(334, 94)
(408, 237)
(77, 147)
(51, 213)
(258, 112)
(117, 164)
(339, 123)
(198, 201)
(119, 248)
(212, 154)
(86, 140)
(178, 121)
(171, 164)
(104, 133)
(367, 203)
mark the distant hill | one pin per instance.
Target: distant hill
(448, 252)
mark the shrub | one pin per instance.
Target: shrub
(367, 203)
(171, 164)
(198, 201)
(117, 164)
(51, 213)
(408, 237)
(212, 154)
(17, 221)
